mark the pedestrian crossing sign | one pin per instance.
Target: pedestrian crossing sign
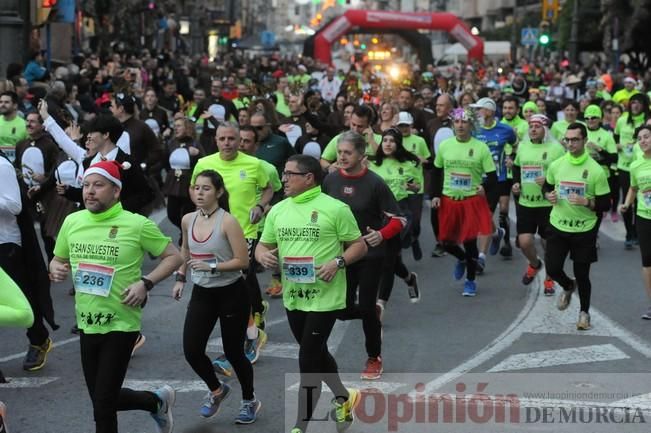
(529, 36)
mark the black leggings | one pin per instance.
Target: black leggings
(365, 275)
(104, 359)
(644, 230)
(624, 184)
(311, 330)
(251, 279)
(468, 254)
(415, 205)
(392, 265)
(613, 183)
(229, 304)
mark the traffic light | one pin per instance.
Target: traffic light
(48, 3)
(544, 39)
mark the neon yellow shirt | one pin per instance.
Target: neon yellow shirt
(243, 176)
(310, 230)
(11, 132)
(641, 179)
(330, 151)
(106, 251)
(396, 174)
(534, 160)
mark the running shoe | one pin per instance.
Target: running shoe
(343, 412)
(248, 411)
(211, 406)
(372, 369)
(530, 274)
(507, 252)
(140, 341)
(645, 316)
(163, 416)
(260, 317)
(636, 241)
(2, 377)
(412, 288)
(3, 418)
(459, 269)
(275, 288)
(252, 347)
(584, 321)
(628, 244)
(496, 240)
(438, 251)
(416, 250)
(481, 265)
(222, 366)
(565, 297)
(548, 285)
(379, 309)
(37, 355)
(469, 288)
(614, 216)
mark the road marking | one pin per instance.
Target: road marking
(274, 350)
(178, 385)
(550, 358)
(27, 382)
(22, 354)
(363, 385)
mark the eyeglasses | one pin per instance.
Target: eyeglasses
(593, 118)
(572, 140)
(293, 173)
(259, 127)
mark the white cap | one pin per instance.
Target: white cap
(630, 80)
(487, 103)
(405, 118)
(217, 111)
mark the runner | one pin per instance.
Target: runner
(640, 189)
(571, 110)
(459, 166)
(401, 171)
(501, 141)
(577, 188)
(103, 247)
(511, 116)
(215, 250)
(12, 127)
(375, 210)
(529, 169)
(313, 237)
(243, 175)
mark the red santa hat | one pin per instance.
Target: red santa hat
(108, 169)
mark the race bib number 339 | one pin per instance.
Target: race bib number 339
(299, 269)
(94, 279)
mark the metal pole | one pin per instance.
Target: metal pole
(616, 43)
(12, 34)
(514, 35)
(574, 34)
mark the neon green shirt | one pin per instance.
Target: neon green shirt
(623, 95)
(417, 145)
(14, 307)
(605, 140)
(519, 125)
(641, 179)
(330, 151)
(560, 127)
(106, 251)
(11, 132)
(626, 132)
(534, 160)
(310, 230)
(464, 165)
(242, 175)
(587, 180)
(281, 104)
(276, 185)
(396, 174)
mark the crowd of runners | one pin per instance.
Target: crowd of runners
(321, 177)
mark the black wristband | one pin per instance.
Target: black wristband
(260, 206)
(180, 277)
(148, 283)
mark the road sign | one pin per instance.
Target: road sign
(268, 38)
(529, 36)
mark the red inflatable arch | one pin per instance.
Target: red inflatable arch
(395, 20)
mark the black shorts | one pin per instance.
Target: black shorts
(643, 227)
(581, 246)
(502, 189)
(532, 220)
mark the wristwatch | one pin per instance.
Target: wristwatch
(213, 268)
(341, 262)
(148, 283)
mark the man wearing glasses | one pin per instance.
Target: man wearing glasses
(272, 147)
(577, 188)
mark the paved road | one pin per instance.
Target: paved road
(443, 341)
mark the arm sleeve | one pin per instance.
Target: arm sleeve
(63, 141)
(517, 174)
(602, 203)
(490, 183)
(437, 182)
(393, 227)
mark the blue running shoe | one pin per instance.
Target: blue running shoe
(469, 288)
(459, 270)
(248, 411)
(163, 416)
(211, 406)
(222, 366)
(496, 240)
(252, 347)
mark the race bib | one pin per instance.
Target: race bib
(567, 188)
(461, 181)
(530, 173)
(10, 151)
(94, 279)
(208, 259)
(299, 269)
(646, 196)
(628, 149)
